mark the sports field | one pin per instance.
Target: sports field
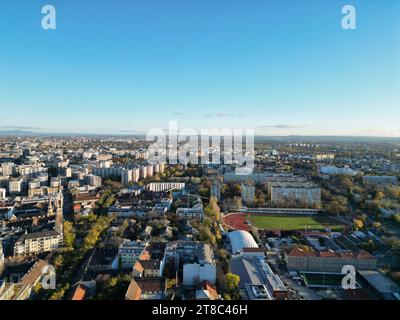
(294, 223)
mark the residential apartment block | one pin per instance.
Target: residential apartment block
(328, 261)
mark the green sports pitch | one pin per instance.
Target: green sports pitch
(290, 223)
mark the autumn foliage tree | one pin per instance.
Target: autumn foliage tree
(232, 285)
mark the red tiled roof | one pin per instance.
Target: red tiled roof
(134, 292)
(35, 273)
(79, 293)
(138, 267)
(360, 255)
(209, 289)
(137, 287)
(145, 255)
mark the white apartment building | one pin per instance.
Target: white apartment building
(383, 180)
(37, 242)
(295, 195)
(164, 186)
(216, 190)
(333, 170)
(126, 176)
(31, 171)
(135, 174)
(7, 169)
(15, 185)
(93, 180)
(248, 193)
(130, 175)
(143, 172)
(107, 172)
(150, 170)
(2, 193)
(189, 213)
(324, 156)
(197, 259)
(34, 184)
(129, 252)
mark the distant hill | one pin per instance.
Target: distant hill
(17, 133)
(24, 133)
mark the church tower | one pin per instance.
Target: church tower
(1, 255)
(50, 209)
(59, 219)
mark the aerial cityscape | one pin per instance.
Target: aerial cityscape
(200, 151)
(114, 226)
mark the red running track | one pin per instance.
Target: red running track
(236, 221)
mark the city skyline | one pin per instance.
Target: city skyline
(277, 68)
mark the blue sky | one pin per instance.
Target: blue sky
(281, 67)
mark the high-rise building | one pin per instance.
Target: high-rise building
(150, 170)
(15, 186)
(248, 193)
(93, 180)
(300, 195)
(59, 219)
(143, 172)
(2, 193)
(126, 176)
(7, 169)
(216, 190)
(135, 174)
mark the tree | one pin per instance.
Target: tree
(396, 218)
(206, 235)
(212, 209)
(393, 191)
(337, 205)
(369, 246)
(358, 224)
(259, 200)
(171, 283)
(224, 255)
(379, 196)
(58, 261)
(232, 284)
(69, 235)
(347, 182)
(377, 225)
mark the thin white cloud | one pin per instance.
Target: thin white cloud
(281, 126)
(13, 127)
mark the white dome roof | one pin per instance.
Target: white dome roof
(241, 239)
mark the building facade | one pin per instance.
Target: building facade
(37, 242)
(295, 195)
(328, 261)
(129, 252)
